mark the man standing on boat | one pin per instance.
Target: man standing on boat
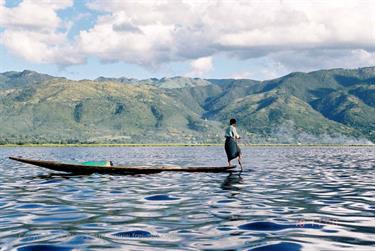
(231, 147)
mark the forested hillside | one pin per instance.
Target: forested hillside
(326, 106)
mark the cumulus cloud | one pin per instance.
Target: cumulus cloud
(37, 15)
(268, 69)
(294, 34)
(189, 30)
(201, 67)
(242, 75)
(32, 32)
(41, 47)
(116, 37)
(315, 59)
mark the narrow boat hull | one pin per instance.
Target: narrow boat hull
(87, 169)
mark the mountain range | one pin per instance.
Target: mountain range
(326, 106)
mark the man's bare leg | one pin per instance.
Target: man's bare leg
(239, 162)
(229, 163)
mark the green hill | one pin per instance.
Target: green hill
(327, 106)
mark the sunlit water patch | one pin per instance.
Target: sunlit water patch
(289, 198)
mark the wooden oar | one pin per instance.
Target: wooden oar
(239, 159)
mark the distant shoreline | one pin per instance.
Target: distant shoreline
(185, 145)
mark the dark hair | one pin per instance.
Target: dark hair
(232, 121)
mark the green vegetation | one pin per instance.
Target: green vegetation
(322, 107)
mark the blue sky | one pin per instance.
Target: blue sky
(208, 39)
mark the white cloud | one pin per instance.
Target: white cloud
(38, 15)
(31, 31)
(188, 30)
(201, 67)
(306, 60)
(242, 75)
(290, 33)
(146, 45)
(41, 47)
(265, 68)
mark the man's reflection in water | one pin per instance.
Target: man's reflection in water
(231, 180)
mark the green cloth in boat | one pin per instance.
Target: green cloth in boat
(91, 163)
(96, 163)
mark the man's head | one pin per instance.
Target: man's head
(232, 122)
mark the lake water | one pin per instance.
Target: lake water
(287, 198)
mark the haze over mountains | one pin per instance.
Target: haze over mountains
(326, 106)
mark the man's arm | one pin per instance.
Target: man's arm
(236, 136)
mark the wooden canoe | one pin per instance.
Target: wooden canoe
(85, 169)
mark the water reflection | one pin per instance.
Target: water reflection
(53, 176)
(231, 180)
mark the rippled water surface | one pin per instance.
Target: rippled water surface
(285, 199)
